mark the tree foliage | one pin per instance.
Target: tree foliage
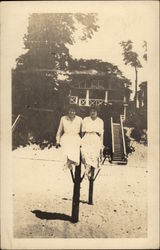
(35, 81)
(96, 64)
(39, 80)
(129, 56)
(48, 35)
(145, 50)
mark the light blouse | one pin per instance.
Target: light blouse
(90, 125)
(93, 126)
(68, 126)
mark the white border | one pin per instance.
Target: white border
(7, 241)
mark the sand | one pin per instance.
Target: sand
(42, 197)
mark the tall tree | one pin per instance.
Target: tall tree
(48, 35)
(145, 50)
(131, 58)
(46, 46)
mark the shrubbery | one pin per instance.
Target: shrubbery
(138, 121)
(36, 127)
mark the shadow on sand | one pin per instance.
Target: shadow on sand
(81, 201)
(51, 216)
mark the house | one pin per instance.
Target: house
(92, 87)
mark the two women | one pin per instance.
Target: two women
(91, 144)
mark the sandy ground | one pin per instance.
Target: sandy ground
(42, 197)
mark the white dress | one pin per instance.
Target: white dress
(92, 143)
(69, 138)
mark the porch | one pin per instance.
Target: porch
(97, 97)
(107, 98)
(94, 101)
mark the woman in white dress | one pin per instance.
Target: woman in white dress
(68, 136)
(92, 141)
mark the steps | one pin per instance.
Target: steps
(118, 147)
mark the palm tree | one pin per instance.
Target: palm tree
(131, 58)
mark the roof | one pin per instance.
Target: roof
(87, 72)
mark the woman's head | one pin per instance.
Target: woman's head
(71, 111)
(93, 112)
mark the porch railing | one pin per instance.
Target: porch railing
(123, 139)
(112, 133)
(73, 99)
(84, 102)
(17, 120)
(95, 102)
(122, 117)
(115, 100)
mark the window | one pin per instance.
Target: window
(96, 94)
(88, 84)
(75, 84)
(101, 84)
(115, 96)
(82, 84)
(95, 84)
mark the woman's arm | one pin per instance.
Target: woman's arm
(101, 139)
(59, 132)
(83, 128)
(102, 133)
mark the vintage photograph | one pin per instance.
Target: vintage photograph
(79, 111)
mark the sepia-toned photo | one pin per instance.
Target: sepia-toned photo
(80, 112)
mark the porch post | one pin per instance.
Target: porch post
(106, 96)
(124, 110)
(87, 97)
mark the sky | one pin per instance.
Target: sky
(118, 21)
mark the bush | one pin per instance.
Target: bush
(140, 135)
(38, 127)
(137, 119)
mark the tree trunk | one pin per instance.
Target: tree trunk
(136, 83)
